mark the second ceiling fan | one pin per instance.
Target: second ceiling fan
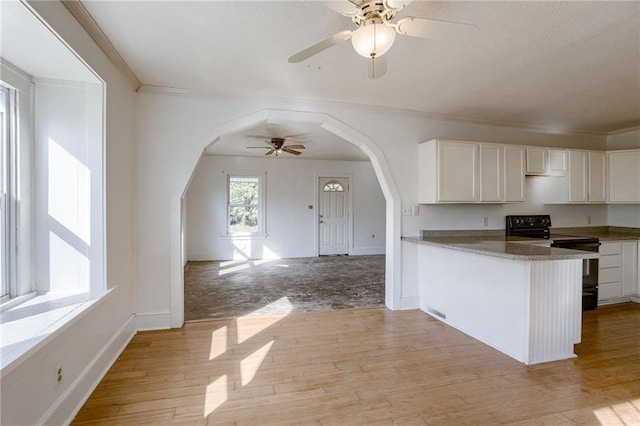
(376, 33)
(277, 146)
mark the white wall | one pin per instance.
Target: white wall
(290, 189)
(470, 216)
(87, 346)
(172, 131)
(68, 175)
(624, 140)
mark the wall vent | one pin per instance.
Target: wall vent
(437, 313)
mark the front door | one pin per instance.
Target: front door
(333, 208)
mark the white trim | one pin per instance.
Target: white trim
(366, 251)
(628, 129)
(86, 21)
(153, 320)
(410, 302)
(69, 403)
(393, 273)
(617, 300)
(176, 91)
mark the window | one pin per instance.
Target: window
(8, 185)
(245, 210)
(333, 186)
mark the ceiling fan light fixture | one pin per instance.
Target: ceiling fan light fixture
(373, 40)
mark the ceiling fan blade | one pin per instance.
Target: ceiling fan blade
(295, 146)
(320, 46)
(434, 29)
(377, 67)
(271, 151)
(343, 7)
(291, 151)
(257, 147)
(397, 4)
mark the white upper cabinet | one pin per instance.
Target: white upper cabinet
(578, 176)
(537, 160)
(584, 181)
(469, 172)
(546, 161)
(624, 176)
(491, 173)
(448, 172)
(557, 162)
(514, 169)
(597, 177)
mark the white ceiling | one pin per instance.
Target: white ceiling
(319, 143)
(565, 66)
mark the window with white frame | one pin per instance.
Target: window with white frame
(8, 185)
(245, 205)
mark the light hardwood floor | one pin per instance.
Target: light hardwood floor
(366, 366)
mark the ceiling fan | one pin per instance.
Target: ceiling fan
(277, 146)
(376, 33)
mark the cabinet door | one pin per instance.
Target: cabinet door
(597, 181)
(578, 169)
(536, 160)
(514, 169)
(624, 176)
(629, 268)
(557, 162)
(491, 173)
(457, 172)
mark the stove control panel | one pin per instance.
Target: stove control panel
(528, 222)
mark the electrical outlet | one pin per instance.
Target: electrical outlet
(58, 376)
(416, 210)
(485, 221)
(588, 220)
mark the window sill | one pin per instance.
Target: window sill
(245, 237)
(27, 327)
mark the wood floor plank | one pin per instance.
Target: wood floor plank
(365, 366)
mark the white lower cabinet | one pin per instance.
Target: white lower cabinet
(618, 270)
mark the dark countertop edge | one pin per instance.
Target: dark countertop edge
(500, 254)
(604, 233)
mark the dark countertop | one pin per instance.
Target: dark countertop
(604, 233)
(527, 249)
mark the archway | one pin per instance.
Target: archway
(349, 134)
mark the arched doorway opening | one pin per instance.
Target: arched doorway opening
(347, 133)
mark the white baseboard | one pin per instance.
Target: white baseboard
(412, 302)
(153, 321)
(619, 300)
(71, 401)
(367, 251)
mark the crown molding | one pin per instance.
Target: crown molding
(196, 93)
(81, 14)
(628, 129)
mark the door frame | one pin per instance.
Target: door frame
(316, 236)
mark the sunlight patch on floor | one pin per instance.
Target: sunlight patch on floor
(255, 322)
(250, 365)
(218, 342)
(216, 395)
(623, 414)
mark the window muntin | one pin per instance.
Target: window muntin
(244, 213)
(333, 186)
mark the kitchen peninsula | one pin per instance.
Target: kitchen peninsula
(516, 295)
